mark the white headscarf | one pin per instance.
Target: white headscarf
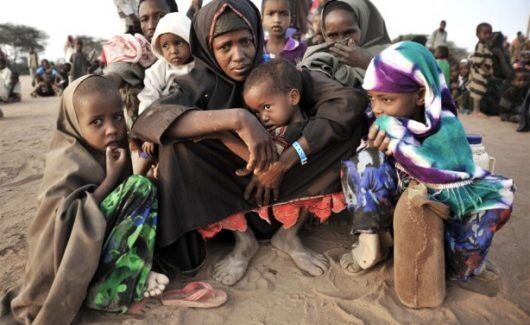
(174, 23)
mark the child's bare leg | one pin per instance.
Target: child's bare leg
(476, 107)
(288, 241)
(231, 269)
(156, 284)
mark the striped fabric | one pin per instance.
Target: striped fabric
(481, 68)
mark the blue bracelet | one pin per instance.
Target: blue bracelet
(300, 152)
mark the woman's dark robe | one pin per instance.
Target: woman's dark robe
(197, 183)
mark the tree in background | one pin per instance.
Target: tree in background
(17, 39)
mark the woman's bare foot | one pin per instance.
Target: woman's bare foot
(156, 284)
(288, 241)
(231, 269)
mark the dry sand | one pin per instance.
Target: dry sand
(274, 291)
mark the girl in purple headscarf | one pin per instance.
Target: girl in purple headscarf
(417, 128)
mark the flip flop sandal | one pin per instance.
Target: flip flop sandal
(195, 295)
(136, 308)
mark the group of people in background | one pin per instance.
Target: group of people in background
(493, 80)
(50, 79)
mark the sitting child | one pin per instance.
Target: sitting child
(93, 236)
(44, 87)
(513, 97)
(9, 83)
(170, 44)
(417, 128)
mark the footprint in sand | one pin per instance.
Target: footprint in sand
(257, 280)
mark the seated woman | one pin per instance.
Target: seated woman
(198, 184)
(354, 32)
(9, 83)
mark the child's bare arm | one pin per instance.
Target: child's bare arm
(115, 160)
(235, 144)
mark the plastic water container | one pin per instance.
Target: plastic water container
(480, 156)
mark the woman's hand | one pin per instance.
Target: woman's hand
(351, 55)
(259, 143)
(266, 184)
(378, 139)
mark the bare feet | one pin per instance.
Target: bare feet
(349, 264)
(231, 269)
(288, 241)
(156, 284)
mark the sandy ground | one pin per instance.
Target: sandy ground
(274, 291)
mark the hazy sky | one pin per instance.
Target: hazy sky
(99, 18)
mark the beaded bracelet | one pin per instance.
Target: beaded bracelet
(300, 152)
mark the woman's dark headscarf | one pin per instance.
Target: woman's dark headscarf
(204, 29)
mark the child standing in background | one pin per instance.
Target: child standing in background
(461, 94)
(276, 17)
(481, 66)
(79, 61)
(441, 53)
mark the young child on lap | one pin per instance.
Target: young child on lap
(417, 128)
(273, 92)
(170, 44)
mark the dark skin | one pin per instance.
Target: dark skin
(409, 105)
(150, 12)
(233, 54)
(102, 126)
(276, 19)
(340, 26)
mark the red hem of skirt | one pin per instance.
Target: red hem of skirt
(287, 213)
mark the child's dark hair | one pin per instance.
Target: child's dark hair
(443, 51)
(483, 25)
(420, 39)
(95, 85)
(285, 1)
(170, 3)
(281, 74)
